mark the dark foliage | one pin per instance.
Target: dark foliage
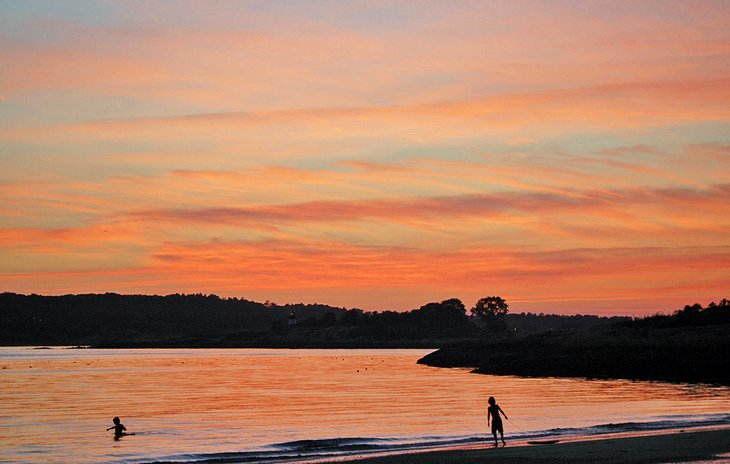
(490, 313)
(109, 317)
(690, 345)
(207, 320)
(694, 315)
(524, 324)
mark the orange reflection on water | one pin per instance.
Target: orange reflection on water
(57, 403)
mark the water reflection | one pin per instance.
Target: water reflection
(57, 403)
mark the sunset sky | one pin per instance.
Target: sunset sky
(571, 157)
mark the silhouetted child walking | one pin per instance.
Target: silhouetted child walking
(119, 429)
(493, 412)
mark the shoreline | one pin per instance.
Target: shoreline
(709, 445)
(433, 350)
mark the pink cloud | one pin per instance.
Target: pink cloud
(212, 195)
(611, 107)
(598, 202)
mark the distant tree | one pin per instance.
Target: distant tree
(490, 307)
(448, 313)
(690, 315)
(454, 306)
(491, 311)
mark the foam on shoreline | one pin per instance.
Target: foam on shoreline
(367, 449)
(707, 445)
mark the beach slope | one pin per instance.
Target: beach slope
(713, 445)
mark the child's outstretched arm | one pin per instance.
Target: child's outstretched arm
(505, 415)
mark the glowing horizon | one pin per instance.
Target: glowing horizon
(569, 158)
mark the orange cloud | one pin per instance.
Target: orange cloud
(403, 278)
(369, 272)
(604, 203)
(550, 154)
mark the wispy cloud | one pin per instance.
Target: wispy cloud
(714, 198)
(567, 155)
(397, 274)
(614, 107)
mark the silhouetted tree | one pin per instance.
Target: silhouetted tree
(454, 306)
(448, 313)
(491, 310)
(690, 315)
(490, 307)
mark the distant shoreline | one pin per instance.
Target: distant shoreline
(662, 447)
(478, 357)
(675, 354)
(687, 346)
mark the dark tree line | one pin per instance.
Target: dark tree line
(93, 318)
(110, 317)
(100, 318)
(694, 315)
(443, 319)
(689, 345)
(448, 317)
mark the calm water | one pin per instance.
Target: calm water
(197, 405)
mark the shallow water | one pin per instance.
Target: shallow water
(194, 405)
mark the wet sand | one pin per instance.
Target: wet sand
(711, 446)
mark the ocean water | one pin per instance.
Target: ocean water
(248, 405)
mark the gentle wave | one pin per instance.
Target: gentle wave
(676, 422)
(339, 447)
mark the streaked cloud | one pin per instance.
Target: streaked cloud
(571, 157)
(606, 108)
(600, 203)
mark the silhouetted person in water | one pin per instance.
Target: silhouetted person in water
(119, 429)
(493, 413)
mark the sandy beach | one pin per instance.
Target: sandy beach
(699, 446)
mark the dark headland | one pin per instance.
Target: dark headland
(691, 345)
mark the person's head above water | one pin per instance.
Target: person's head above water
(116, 420)
(491, 400)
